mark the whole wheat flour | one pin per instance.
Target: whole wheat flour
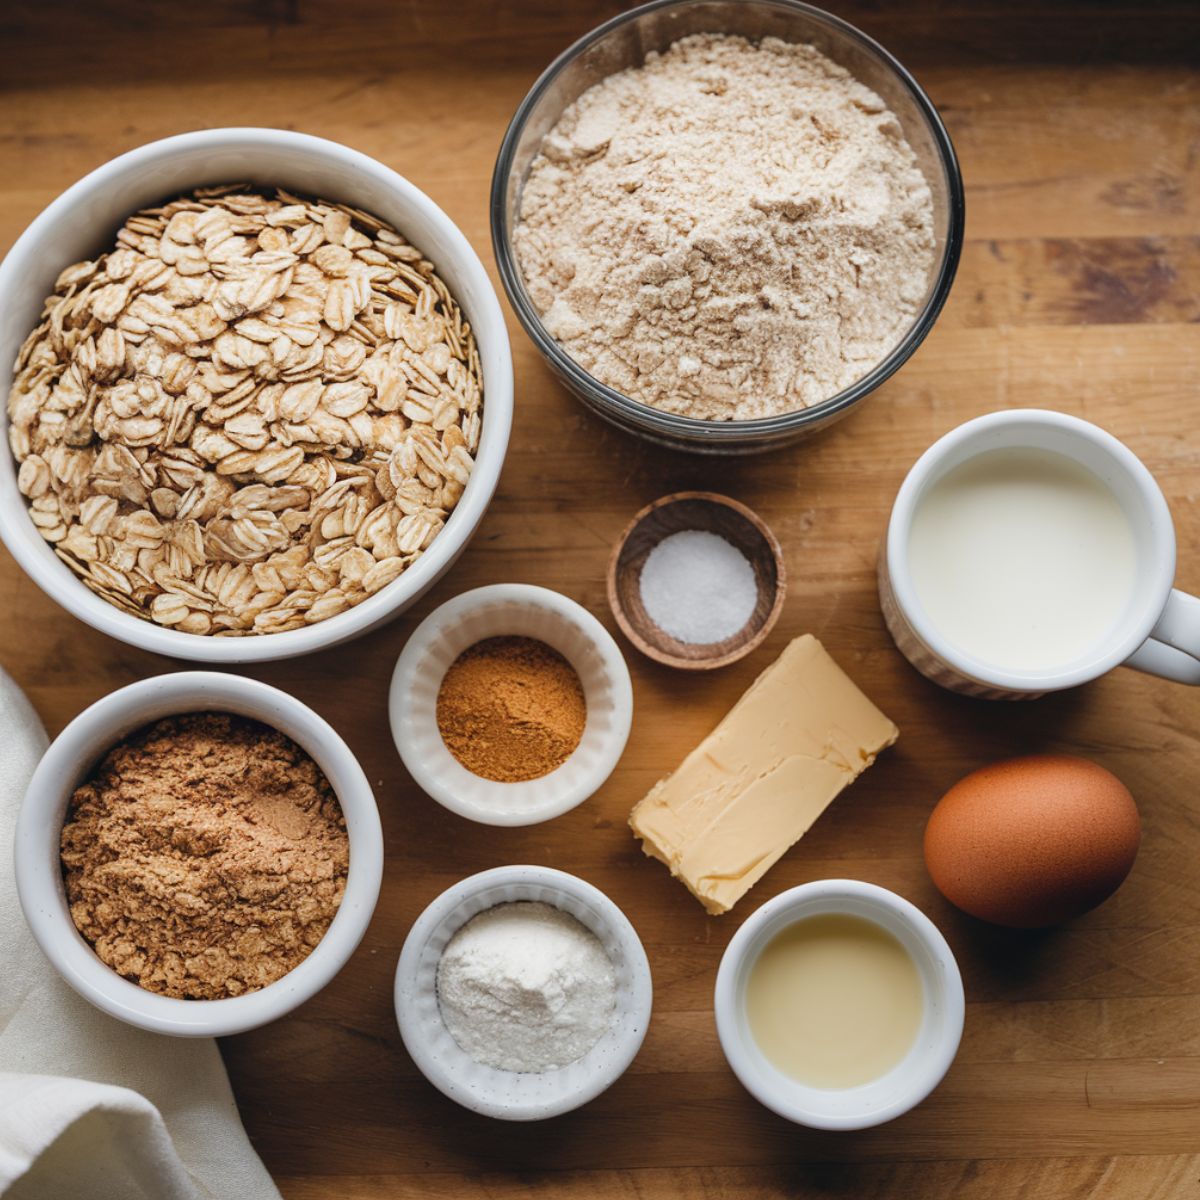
(730, 231)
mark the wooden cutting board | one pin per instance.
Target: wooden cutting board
(1079, 289)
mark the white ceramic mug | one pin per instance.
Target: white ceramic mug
(1160, 630)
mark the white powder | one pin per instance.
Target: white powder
(698, 587)
(525, 986)
(730, 231)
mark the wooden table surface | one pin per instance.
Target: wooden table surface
(1078, 129)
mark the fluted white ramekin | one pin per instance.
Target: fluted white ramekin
(501, 610)
(513, 1095)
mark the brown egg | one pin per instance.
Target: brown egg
(1032, 841)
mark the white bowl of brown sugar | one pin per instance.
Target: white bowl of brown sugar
(198, 854)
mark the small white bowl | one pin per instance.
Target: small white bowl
(525, 611)
(84, 220)
(73, 755)
(511, 1095)
(913, 1078)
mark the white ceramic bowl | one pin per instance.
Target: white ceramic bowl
(913, 1078)
(511, 1095)
(71, 758)
(83, 222)
(522, 610)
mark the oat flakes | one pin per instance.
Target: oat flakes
(250, 415)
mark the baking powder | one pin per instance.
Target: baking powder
(525, 986)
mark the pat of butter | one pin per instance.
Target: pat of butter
(755, 785)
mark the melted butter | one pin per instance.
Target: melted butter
(834, 1001)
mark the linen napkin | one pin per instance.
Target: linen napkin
(91, 1109)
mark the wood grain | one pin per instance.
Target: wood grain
(1078, 128)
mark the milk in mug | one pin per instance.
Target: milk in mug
(1023, 558)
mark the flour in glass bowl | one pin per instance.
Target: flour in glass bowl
(730, 231)
(525, 986)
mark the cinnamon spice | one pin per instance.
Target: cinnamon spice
(511, 709)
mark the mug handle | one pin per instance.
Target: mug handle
(1173, 648)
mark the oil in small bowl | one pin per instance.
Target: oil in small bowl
(834, 1001)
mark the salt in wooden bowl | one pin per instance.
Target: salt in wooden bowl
(711, 513)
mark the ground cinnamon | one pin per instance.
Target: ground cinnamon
(511, 709)
(206, 856)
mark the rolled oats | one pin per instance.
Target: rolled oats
(250, 415)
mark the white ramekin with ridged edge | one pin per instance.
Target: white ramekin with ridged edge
(512, 1095)
(72, 757)
(510, 609)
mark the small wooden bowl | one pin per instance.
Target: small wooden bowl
(706, 511)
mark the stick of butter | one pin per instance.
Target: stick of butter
(756, 784)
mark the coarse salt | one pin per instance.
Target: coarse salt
(698, 587)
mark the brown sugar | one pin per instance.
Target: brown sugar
(511, 709)
(206, 856)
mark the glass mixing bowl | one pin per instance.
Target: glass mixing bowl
(625, 41)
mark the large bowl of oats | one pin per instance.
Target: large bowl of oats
(260, 400)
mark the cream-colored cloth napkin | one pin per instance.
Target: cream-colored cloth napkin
(91, 1109)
